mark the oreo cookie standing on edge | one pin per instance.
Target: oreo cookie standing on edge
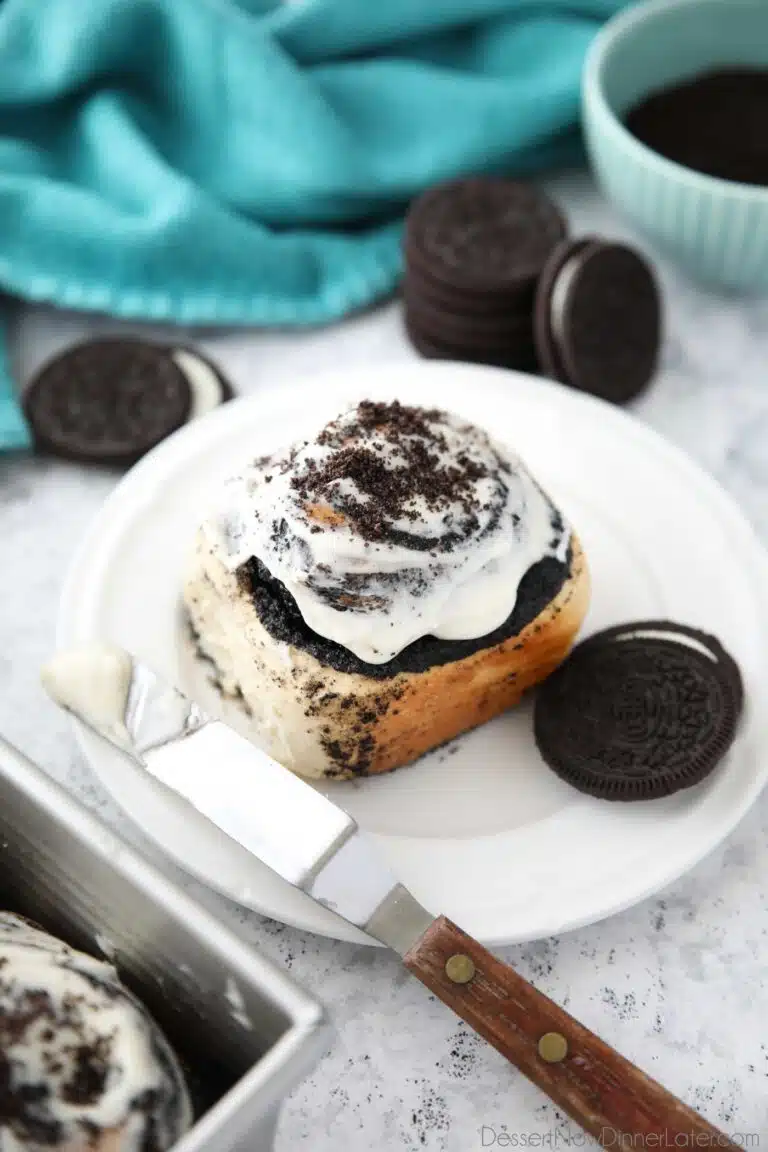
(546, 345)
(482, 233)
(598, 319)
(639, 711)
(107, 401)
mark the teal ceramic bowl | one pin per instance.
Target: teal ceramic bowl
(715, 229)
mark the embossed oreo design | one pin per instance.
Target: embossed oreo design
(639, 712)
(487, 232)
(107, 401)
(392, 524)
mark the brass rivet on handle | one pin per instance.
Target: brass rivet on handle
(553, 1047)
(459, 968)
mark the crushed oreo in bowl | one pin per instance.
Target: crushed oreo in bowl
(714, 123)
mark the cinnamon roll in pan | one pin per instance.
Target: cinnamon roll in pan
(375, 591)
(83, 1067)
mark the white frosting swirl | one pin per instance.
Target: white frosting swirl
(392, 524)
(86, 1069)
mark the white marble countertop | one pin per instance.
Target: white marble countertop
(677, 984)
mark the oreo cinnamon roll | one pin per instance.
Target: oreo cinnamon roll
(375, 591)
(83, 1067)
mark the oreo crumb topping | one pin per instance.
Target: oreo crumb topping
(89, 1072)
(389, 489)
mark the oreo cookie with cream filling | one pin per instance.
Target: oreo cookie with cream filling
(505, 330)
(466, 302)
(517, 352)
(639, 711)
(543, 309)
(695, 638)
(112, 399)
(598, 319)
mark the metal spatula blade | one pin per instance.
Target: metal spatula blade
(317, 847)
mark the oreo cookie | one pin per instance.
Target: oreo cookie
(598, 319)
(511, 332)
(482, 233)
(682, 633)
(111, 400)
(474, 249)
(520, 357)
(490, 307)
(639, 711)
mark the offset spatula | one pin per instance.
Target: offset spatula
(316, 846)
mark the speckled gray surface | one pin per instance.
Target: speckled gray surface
(678, 984)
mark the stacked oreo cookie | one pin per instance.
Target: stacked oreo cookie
(474, 251)
(491, 277)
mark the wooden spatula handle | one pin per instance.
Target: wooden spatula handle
(609, 1097)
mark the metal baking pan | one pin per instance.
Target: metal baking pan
(244, 1032)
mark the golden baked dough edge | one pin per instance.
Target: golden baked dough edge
(452, 698)
(322, 723)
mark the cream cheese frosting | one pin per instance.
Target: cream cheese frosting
(82, 1065)
(391, 524)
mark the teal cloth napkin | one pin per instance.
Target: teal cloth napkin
(216, 162)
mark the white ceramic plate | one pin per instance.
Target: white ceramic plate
(480, 830)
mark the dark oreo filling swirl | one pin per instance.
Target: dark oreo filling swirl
(281, 617)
